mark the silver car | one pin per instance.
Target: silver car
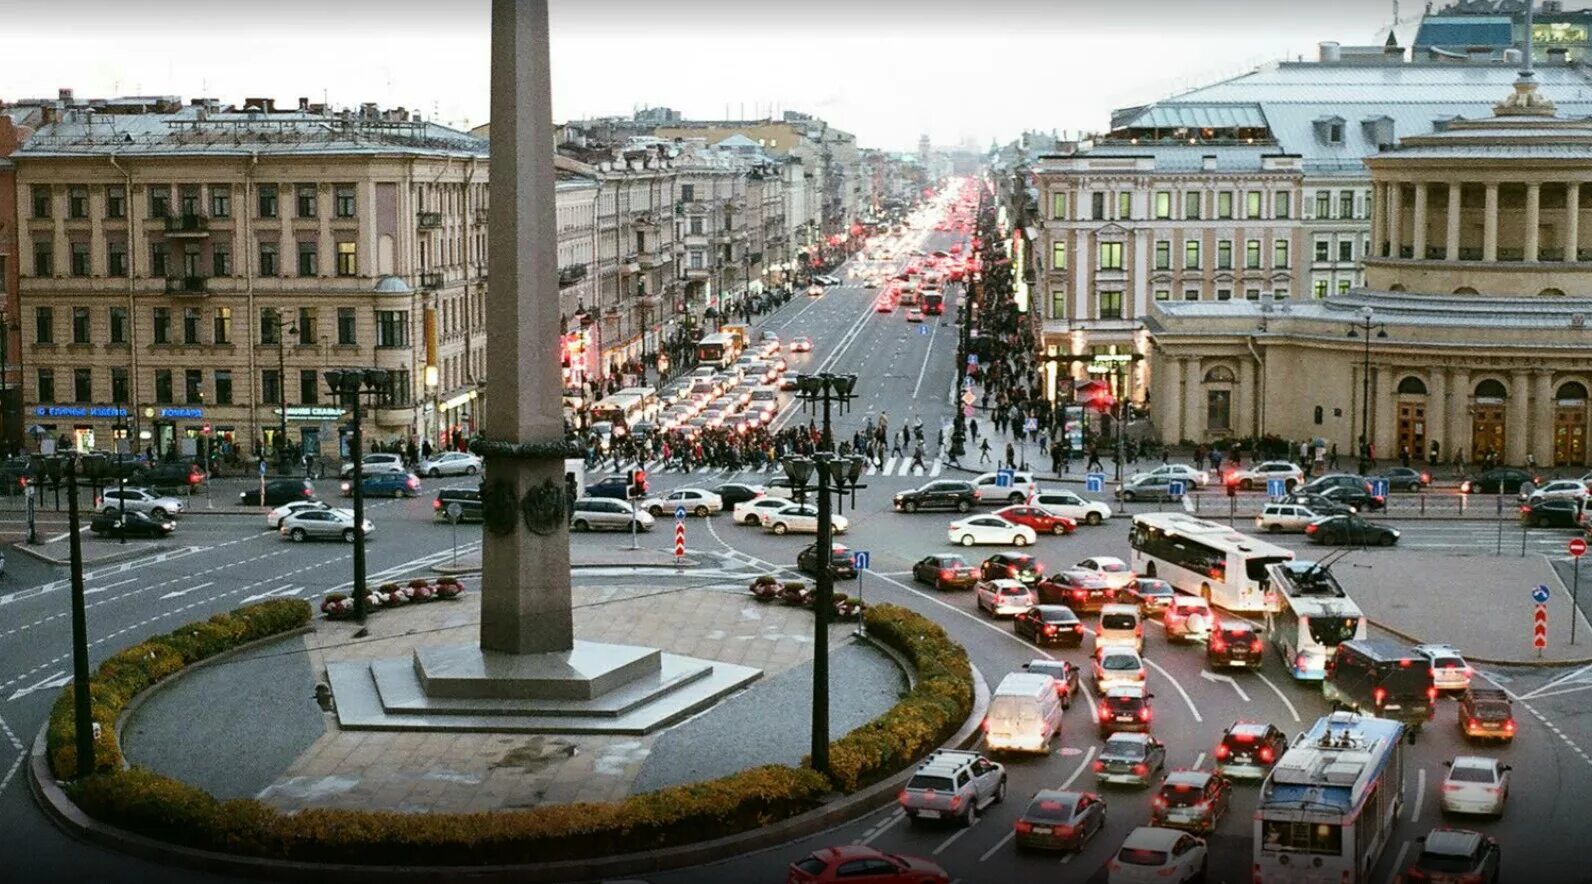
(449, 463)
(140, 500)
(607, 514)
(321, 524)
(374, 463)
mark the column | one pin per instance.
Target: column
(1489, 231)
(1455, 195)
(1418, 235)
(1172, 396)
(1542, 408)
(1378, 216)
(1384, 412)
(1244, 399)
(1572, 221)
(1395, 209)
(1193, 406)
(1458, 414)
(1437, 414)
(1533, 219)
(1517, 429)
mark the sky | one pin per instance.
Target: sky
(887, 70)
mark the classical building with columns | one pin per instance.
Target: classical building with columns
(1470, 331)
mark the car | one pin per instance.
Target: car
(449, 463)
(1450, 672)
(1486, 714)
(885, 303)
(615, 486)
(1357, 499)
(1276, 518)
(1115, 572)
(1153, 596)
(1188, 618)
(1455, 855)
(799, 518)
(733, 493)
(827, 280)
(855, 862)
(989, 529)
(273, 519)
(1261, 474)
(1074, 507)
(172, 476)
(1498, 480)
(816, 290)
(697, 502)
(1158, 488)
(1234, 644)
(321, 524)
(952, 784)
(1195, 800)
(1057, 820)
(607, 514)
(750, 512)
(840, 560)
(277, 492)
(1114, 665)
(1049, 624)
(1021, 488)
(1194, 477)
(1320, 505)
(1566, 489)
(915, 315)
(1021, 567)
(374, 462)
(1003, 597)
(1405, 478)
(941, 494)
(1064, 673)
(1130, 758)
(1124, 707)
(945, 571)
(1248, 749)
(140, 499)
(1041, 520)
(1321, 484)
(467, 501)
(385, 485)
(801, 345)
(1475, 785)
(1076, 588)
(111, 523)
(787, 381)
(1350, 531)
(1151, 855)
(1557, 512)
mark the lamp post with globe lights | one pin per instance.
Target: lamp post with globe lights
(348, 386)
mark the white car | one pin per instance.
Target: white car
(1066, 503)
(1115, 572)
(449, 463)
(1189, 618)
(1450, 672)
(799, 518)
(1117, 665)
(989, 529)
(1259, 474)
(374, 463)
(1022, 486)
(697, 502)
(273, 519)
(1004, 597)
(1573, 489)
(321, 524)
(1475, 784)
(750, 512)
(1180, 472)
(140, 500)
(1279, 517)
(1152, 855)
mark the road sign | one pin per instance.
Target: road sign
(967, 411)
(1276, 487)
(262, 468)
(1539, 628)
(967, 381)
(972, 359)
(1577, 547)
(1031, 425)
(679, 513)
(1094, 482)
(1176, 487)
(1003, 478)
(1379, 487)
(1540, 595)
(923, 329)
(679, 539)
(859, 559)
(968, 398)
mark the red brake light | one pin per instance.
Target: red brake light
(1221, 751)
(1140, 770)
(1255, 646)
(1024, 826)
(1267, 755)
(1426, 478)
(1378, 695)
(1310, 529)
(946, 573)
(1244, 738)
(1431, 692)
(1158, 801)
(1077, 627)
(1217, 644)
(436, 504)
(1105, 713)
(309, 492)
(1510, 725)
(902, 797)
(1474, 723)
(1144, 714)
(1101, 765)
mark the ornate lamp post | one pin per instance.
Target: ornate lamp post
(1363, 329)
(350, 385)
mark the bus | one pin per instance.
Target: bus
(1197, 556)
(1328, 807)
(933, 302)
(1314, 615)
(626, 407)
(719, 350)
(907, 292)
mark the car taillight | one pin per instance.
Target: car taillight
(902, 797)
(1144, 714)
(310, 492)
(1414, 874)
(1105, 713)
(1451, 787)
(985, 724)
(1431, 692)
(1267, 754)
(1141, 770)
(1255, 646)
(1050, 629)
(1077, 627)
(1378, 695)
(1024, 827)
(1310, 529)
(1222, 751)
(1101, 765)
(946, 573)
(1475, 723)
(1078, 593)
(99, 502)
(1158, 801)
(1426, 478)
(436, 504)
(1217, 644)
(956, 801)
(1510, 725)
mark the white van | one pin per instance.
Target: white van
(1120, 626)
(1024, 714)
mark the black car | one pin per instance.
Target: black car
(1336, 480)
(1125, 708)
(1065, 674)
(1499, 480)
(1350, 531)
(1456, 855)
(1234, 643)
(842, 566)
(1049, 624)
(945, 572)
(1152, 596)
(941, 494)
(1405, 478)
(616, 486)
(733, 493)
(1359, 499)
(1077, 589)
(468, 499)
(172, 477)
(12, 473)
(1249, 749)
(1555, 512)
(132, 523)
(278, 492)
(1318, 504)
(1021, 567)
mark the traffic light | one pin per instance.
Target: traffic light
(1096, 396)
(638, 483)
(1232, 484)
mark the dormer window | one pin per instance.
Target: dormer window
(1378, 130)
(1329, 130)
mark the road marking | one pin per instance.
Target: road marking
(1078, 771)
(176, 594)
(59, 679)
(1420, 794)
(284, 590)
(998, 845)
(930, 352)
(1186, 698)
(1573, 676)
(959, 833)
(1281, 696)
(100, 589)
(16, 763)
(1398, 863)
(1199, 761)
(1213, 678)
(884, 828)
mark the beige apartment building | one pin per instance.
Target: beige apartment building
(192, 272)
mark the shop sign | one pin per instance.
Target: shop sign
(311, 412)
(173, 413)
(80, 411)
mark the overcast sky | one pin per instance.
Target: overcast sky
(888, 70)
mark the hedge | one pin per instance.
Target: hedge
(151, 804)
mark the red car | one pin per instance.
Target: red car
(1077, 589)
(854, 862)
(1042, 521)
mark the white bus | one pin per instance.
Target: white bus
(1329, 805)
(626, 407)
(1201, 557)
(1314, 615)
(717, 350)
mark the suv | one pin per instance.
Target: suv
(373, 463)
(1234, 643)
(1125, 707)
(943, 494)
(1259, 475)
(1456, 855)
(952, 784)
(187, 477)
(1249, 749)
(1193, 800)
(1335, 480)
(1383, 678)
(1486, 714)
(840, 562)
(1022, 567)
(1450, 672)
(1279, 517)
(278, 492)
(468, 499)
(1023, 485)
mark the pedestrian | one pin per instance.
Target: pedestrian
(895, 444)
(1011, 456)
(972, 427)
(1434, 460)
(1332, 460)
(983, 451)
(917, 457)
(1094, 463)
(1404, 456)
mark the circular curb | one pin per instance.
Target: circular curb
(1490, 661)
(67, 816)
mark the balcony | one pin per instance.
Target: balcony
(429, 220)
(698, 272)
(187, 226)
(431, 280)
(645, 219)
(571, 274)
(187, 285)
(479, 215)
(631, 264)
(652, 259)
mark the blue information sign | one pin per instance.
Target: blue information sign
(1176, 487)
(679, 512)
(1540, 595)
(1003, 478)
(1379, 487)
(859, 559)
(262, 467)
(972, 359)
(1094, 482)
(1276, 487)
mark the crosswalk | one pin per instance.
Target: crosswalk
(892, 466)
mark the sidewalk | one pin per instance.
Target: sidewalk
(581, 556)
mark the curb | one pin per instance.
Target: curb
(132, 552)
(1490, 661)
(66, 815)
(476, 569)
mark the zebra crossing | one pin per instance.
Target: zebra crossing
(893, 466)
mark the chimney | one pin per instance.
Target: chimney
(367, 110)
(47, 114)
(1512, 56)
(1330, 52)
(266, 105)
(304, 103)
(64, 95)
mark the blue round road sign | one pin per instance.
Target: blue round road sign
(679, 511)
(1540, 595)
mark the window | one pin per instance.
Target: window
(1252, 254)
(1346, 204)
(118, 325)
(1280, 293)
(190, 325)
(1058, 256)
(1191, 294)
(1058, 303)
(696, 225)
(345, 326)
(392, 328)
(1125, 205)
(1218, 409)
(307, 326)
(1335, 133)
(159, 200)
(46, 384)
(159, 259)
(305, 202)
(116, 258)
(343, 200)
(82, 385)
(1281, 204)
(270, 387)
(1346, 250)
(268, 201)
(1163, 204)
(116, 201)
(1224, 204)
(119, 392)
(1343, 286)
(1319, 287)
(44, 325)
(220, 201)
(188, 199)
(1252, 203)
(221, 326)
(1191, 205)
(1191, 254)
(268, 259)
(270, 325)
(1097, 206)
(221, 259)
(1163, 294)
(192, 386)
(163, 386)
(1279, 253)
(1058, 205)
(307, 263)
(160, 318)
(1323, 250)
(1251, 294)
(688, 193)
(309, 390)
(81, 325)
(1224, 254)
(347, 263)
(41, 201)
(80, 263)
(77, 202)
(223, 386)
(1163, 254)
(1110, 306)
(695, 259)
(1224, 294)
(1110, 256)
(43, 259)
(1323, 204)
(398, 389)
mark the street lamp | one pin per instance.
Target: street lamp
(350, 385)
(1363, 329)
(281, 388)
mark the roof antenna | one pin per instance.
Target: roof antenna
(1525, 72)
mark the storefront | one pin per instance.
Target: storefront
(311, 428)
(458, 420)
(81, 427)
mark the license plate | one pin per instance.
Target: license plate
(1392, 706)
(929, 814)
(1124, 718)
(1238, 663)
(1041, 830)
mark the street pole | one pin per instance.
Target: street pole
(823, 606)
(358, 444)
(1575, 592)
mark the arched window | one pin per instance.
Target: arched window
(1571, 390)
(1551, 293)
(1465, 290)
(1491, 389)
(1412, 386)
(1221, 374)
(1396, 287)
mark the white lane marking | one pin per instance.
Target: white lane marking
(108, 586)
(1420, 794)
(1199, 761)
(1281, 696)
(16, 763)
(889, 466)
(882, 829)
(56, 680)
(1078, 771)
(284, 590)
(938, 466)
(179, 593)
(1168, 676)
(58, 538)
(998, 845)
(1398, 863)
(1213, 677)
(930, 352)
(959, 833)
(1573, 676)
